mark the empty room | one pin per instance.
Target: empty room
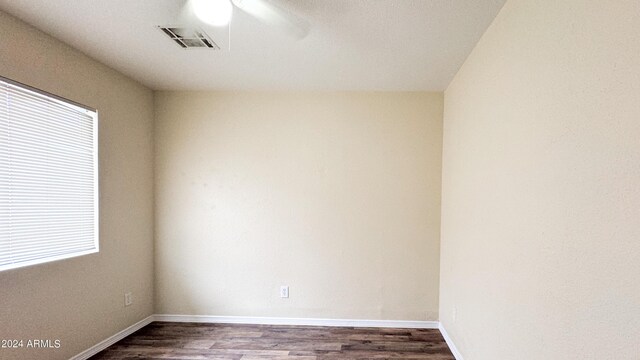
(320, 179)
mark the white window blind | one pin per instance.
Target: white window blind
(48, 177)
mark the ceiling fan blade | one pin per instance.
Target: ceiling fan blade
(187, 16)
(273, 15)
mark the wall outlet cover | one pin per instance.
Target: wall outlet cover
(128, 299)
(284, 291)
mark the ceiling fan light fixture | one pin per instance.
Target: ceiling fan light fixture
(213, 12)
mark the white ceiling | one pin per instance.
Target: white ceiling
(353, 44)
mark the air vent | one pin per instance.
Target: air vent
(189, 38)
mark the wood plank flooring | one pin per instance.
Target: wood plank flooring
(186, 341)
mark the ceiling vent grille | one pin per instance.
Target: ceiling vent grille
(189, 38)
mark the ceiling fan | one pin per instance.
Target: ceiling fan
(219, 12)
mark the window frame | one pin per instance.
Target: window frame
(93, 113)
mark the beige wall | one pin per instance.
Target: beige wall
(541, 186)
(335, 194)
(81, 300)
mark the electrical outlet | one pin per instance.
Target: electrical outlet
(284, 291)
(128, 299)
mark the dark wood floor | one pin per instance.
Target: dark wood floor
(162, 340)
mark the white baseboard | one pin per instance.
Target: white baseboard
(297, 321)
(113, 339)
(454, 350)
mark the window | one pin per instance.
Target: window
(48, 177)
